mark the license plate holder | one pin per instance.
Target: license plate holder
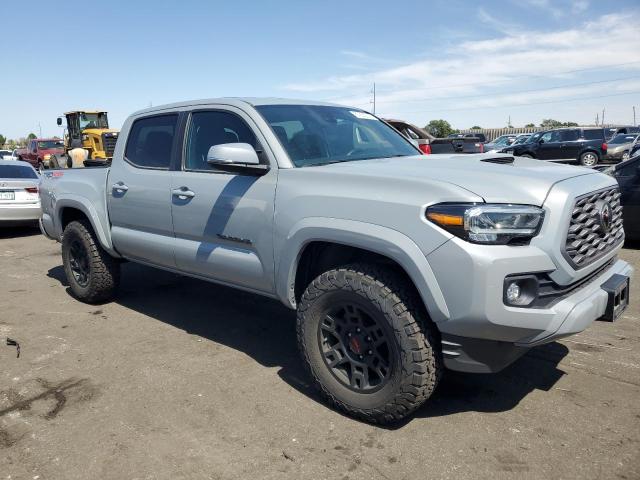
(617, 288)
(7, 195)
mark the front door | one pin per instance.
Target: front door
(549, 146)
(139, 195)
(223, 222)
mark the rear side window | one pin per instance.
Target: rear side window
(17, 171)
(150, 141)
(569, 135)
(593, 134)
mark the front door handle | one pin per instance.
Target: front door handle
(183, 193)
(119, 187)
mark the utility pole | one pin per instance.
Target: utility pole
(374, 97)
(40, 129)
(634, 116)
(603, 117)
(597, 119)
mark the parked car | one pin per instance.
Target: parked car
(480, 136)
(5, 155)
(419, 136)
(500, 142)
(19, 199)
(398, 264)
(40, 150)
(620, 146)
(451, 145)
(584, 145)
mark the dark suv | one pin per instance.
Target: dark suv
(585, 145)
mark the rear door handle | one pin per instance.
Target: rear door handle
(119, 187)
(183, 193)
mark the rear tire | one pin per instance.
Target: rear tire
(93, 275)
(526, 155)
(589, 159)
(367, 344)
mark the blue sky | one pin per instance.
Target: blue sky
(467, 62)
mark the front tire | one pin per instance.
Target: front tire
(365, 340)
(589, 159)
(526, 155)
(93, 275)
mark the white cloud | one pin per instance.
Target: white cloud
(579, 6)
(504, 62)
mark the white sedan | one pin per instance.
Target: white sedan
(19, 198)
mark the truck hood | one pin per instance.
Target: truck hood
(525, 181)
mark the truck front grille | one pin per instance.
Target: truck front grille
(109, 141)
(595, 227)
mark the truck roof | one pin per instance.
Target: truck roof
(85, 111)
(237, 102)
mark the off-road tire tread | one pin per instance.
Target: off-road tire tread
(421, 358)
(105, 270)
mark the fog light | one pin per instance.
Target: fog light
(513, 292)
(521, 290)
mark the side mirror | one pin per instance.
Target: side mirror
(541, 141)
(59, 121)
(236, 157)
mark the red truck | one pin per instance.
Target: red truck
(39, 151)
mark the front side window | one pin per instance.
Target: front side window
(318, 135)
(207, 129)
(550, 137)
(619, 139)
(150, 141)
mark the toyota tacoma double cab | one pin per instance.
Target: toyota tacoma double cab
(399, 265)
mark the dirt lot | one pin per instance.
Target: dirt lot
(180, 379)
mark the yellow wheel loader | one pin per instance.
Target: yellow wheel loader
(88, 140)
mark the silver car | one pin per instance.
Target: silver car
(620, 146)
(19, 199)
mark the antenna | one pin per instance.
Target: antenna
(374, 97)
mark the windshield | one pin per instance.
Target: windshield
(522, 139)
(93, 120)
(319, 135)
(503, 140)
(50, 144)
(618, 139)
(17, 171)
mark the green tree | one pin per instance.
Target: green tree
(3, 140)
(476, 127)
(551, 123)
(31, 136)
(439, 128)
(530, 125)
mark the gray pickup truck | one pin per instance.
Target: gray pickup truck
(399, 265)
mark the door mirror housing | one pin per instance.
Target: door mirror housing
(236, 157)
(59, 121)
(541, 141)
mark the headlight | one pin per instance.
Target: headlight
(496, 224)
(47, 156)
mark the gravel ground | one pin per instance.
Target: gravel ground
(180, 379)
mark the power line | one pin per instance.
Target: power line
(522, 104)
(513, 92)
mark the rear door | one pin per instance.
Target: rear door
(223, 222)
(138, 190)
